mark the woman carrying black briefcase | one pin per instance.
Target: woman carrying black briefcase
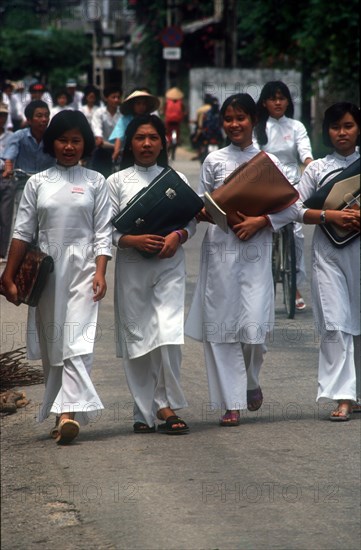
(336, 266)
(149, 291)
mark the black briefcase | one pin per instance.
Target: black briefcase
(167, 204)
(340, 192)
(317, 200)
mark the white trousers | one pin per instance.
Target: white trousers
(154, 382)
(69, 389)
(357, 354)
(232, 368)
(337, 365)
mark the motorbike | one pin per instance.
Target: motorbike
(208, 147)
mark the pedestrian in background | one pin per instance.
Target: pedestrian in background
(103, 124)
(149, 293)
(62, 101)
(37, 91)
(336, 271)
(278, 133)
(25, 147)
(7, 187)
(76, 96)
(90, 102)
(196, 136)
(174, 112)
(68, 207)
(14, 109)
(232, 310)
(19, 96)
(25, 151)
(139, 102)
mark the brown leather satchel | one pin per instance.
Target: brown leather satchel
(254, 188)
(32, 275)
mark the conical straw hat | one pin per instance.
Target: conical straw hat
(174, 93)
(151, 99)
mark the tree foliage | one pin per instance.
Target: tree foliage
(319, 38)
(30, 43)
(153, 15)
(49, 54)
(320, 35)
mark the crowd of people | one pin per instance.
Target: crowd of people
(71, 199)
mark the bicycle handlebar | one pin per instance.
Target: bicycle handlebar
(21, 173)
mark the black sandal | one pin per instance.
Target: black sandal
(169, 427)
(141, 428)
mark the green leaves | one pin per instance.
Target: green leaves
(44, 53)
(322, 34)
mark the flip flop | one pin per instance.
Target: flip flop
(169, 427)
(356, 407)
(341, 414)
(231, 418)
(254, 399)
(67, 431)
(142, 428)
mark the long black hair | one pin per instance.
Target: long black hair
(334, 114)
(153, 120)
(269, 91)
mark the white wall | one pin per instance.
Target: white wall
(222, 83)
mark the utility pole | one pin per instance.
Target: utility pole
(230, 33)
(173, 19)
(167, 64)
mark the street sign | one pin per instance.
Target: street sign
(172, 53)
(171, 36)
(103, 63)
(114, 53)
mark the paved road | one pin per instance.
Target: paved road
(286, 478)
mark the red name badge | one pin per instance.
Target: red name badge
(78, 190)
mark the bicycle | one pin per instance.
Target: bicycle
(19, 177)
(172, 138)
(284, 266)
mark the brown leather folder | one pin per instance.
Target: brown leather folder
(32, 275)
(255, 188)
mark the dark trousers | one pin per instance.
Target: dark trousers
(7, 197)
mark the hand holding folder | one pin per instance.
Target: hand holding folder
(255, 188)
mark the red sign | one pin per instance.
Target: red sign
(171, 36)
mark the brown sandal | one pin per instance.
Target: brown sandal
(68, 430)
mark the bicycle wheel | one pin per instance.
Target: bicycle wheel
(173, 143)
(172, 151)
(276, 259)
(289, 270)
